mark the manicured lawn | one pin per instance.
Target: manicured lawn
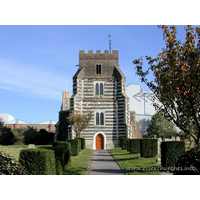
(79, 164)
(13, 150)
(130, 162)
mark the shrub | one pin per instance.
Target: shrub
(59, 158)
(82, 142)
(148, 148)
(134, 146)
(170, 151)
(128, 144)
(10, 166)
(6, 136)
(121, 141)
(38, 161)
(66, 146)
(18, 136)
(31, 136)
(188, 163)
(46, 137)
(79, 144)
(74, 147)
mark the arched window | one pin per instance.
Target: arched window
(101, 119)
(101, 88)
(97, 89)
(97, 118)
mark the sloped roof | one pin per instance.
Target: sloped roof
(16, 121)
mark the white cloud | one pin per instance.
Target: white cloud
(32, 80)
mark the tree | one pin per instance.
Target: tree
(6, 136)
(176, 81)
(79, 122)
(161, 127)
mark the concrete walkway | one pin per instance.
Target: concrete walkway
(102, 163)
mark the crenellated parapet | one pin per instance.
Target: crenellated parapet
(98, 55)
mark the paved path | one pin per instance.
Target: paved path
(102, 163)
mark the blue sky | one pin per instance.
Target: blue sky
(37, 62)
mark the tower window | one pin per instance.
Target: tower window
(98, 88)
(98, 69)
(99, 118)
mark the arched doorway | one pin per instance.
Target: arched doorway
(99, 141)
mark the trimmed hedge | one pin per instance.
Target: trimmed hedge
(74, 146)
(128, 144)
(124, 142)
(134, 146)
(170, 151)
(82, 142)
(38, 161)
(148, 148)
(188, 163)
(66, 146)
(121, 141)
(59, 158)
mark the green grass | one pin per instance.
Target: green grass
(129, 161)
(13, 150)
(79, 164)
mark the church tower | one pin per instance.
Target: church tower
(99, 86)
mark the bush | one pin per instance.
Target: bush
(170, 151)
(10, 166)
(6, 136)
(59, 158)
(148, 148)
(38, 161)
(46, 137)
(31, 136)
(79, 144)
(134, 146)
(128, 145)
(82, 142)
(18, 136)
(74, 146)
(188, 163)
(124, 142)
(66, 146)
(121, 141)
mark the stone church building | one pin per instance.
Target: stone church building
(99, 86)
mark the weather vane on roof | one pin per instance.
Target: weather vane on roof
(109, 42)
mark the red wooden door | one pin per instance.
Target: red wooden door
(99, 141)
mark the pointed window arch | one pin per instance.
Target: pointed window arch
(97, 118)
(102, 119)
(101, 88)
(97, 89)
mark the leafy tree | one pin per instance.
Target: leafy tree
(31, 136)
(161, 127)
(6, 136)
(18, 136)
(79, 122)
(176, 81)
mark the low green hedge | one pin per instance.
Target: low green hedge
(38, 161)
(121, 141)
(124, 142)
(148, 148)
(66, 146)
(74, 146)
(82, 142)
(128, 144)
(134, 146)
(170, 151)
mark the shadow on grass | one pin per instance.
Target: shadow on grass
(70, 170)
